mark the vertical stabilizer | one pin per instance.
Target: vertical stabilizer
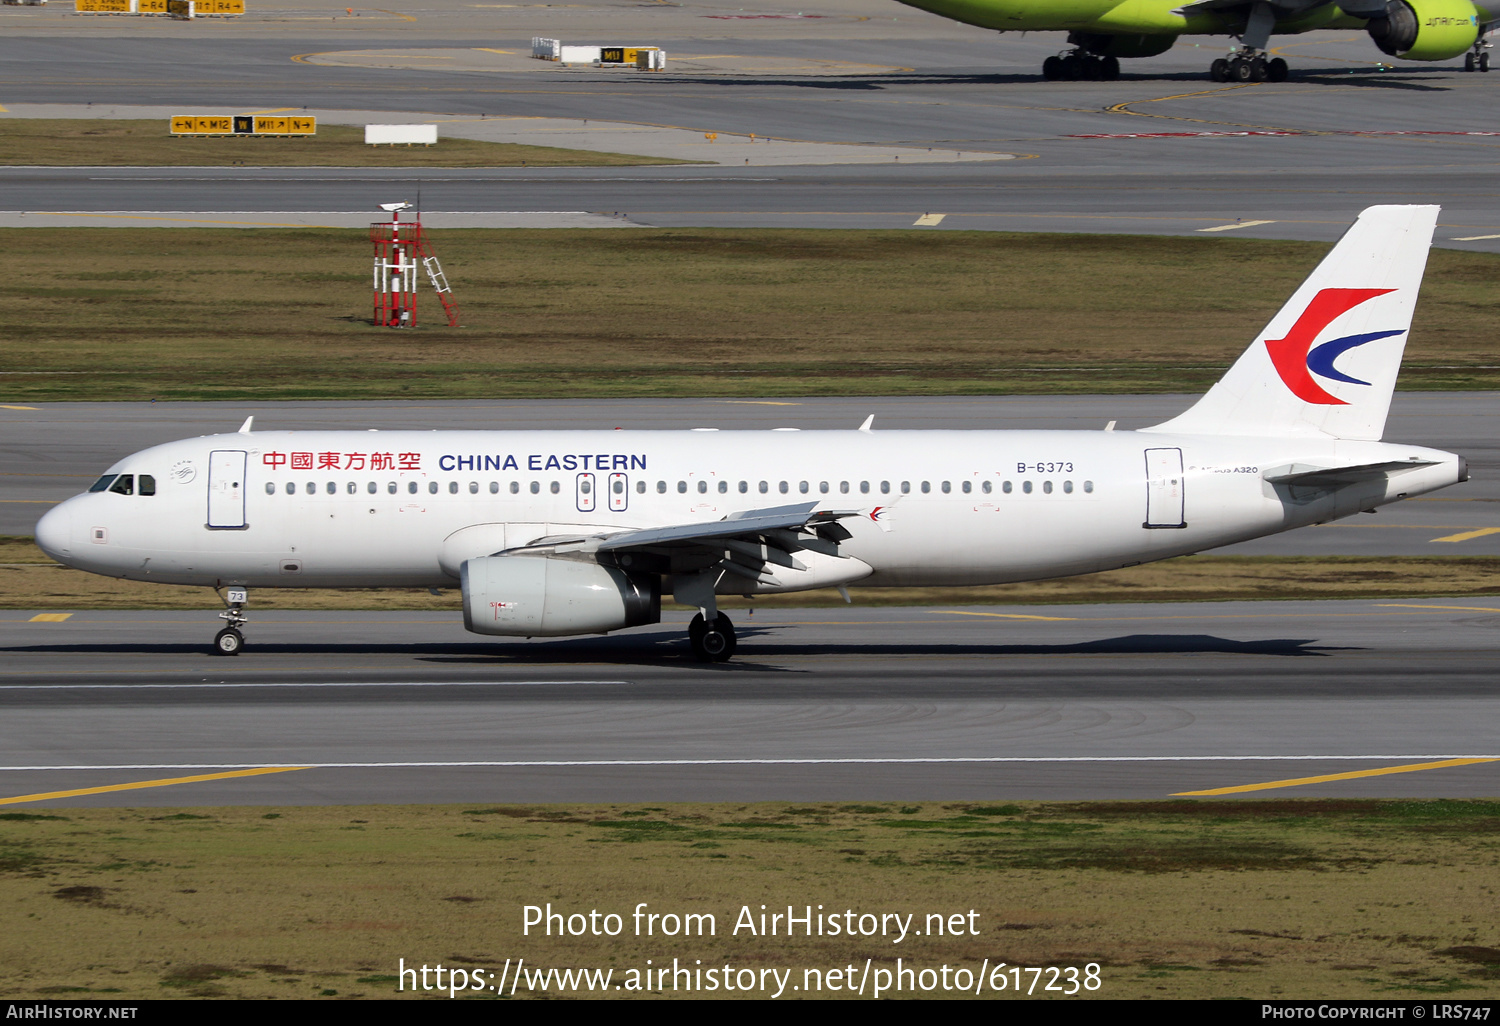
(1327, 362)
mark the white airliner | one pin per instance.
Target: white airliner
(553, 533)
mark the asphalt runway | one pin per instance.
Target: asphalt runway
(1162, 150)
(1109, 702)
(51, 451)
(1087, 702)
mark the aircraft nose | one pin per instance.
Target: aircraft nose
(54, 532)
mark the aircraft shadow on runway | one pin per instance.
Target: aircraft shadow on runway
(767, 646)
(1408, 79)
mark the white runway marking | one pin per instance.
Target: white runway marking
(1232, 227)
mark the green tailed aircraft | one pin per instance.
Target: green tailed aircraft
(1100, 32)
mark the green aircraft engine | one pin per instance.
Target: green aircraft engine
(1133, 45)
(1426, 30)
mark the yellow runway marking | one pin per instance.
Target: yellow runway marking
(491, 49)
(928, 220)
(1476, 238)
(1232, 227)
(1467, 535)
(404, 17)
(137, 785)
(1355, 775)
(49, 617)
(1464, 609)
(273, 110)
(16, 407)
(757, 402)
(1003, 616)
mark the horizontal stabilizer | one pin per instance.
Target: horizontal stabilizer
(1335, 477)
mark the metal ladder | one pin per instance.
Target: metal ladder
(439, 281)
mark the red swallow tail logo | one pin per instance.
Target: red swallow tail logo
(1295, 358)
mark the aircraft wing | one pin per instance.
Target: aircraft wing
(749, 525)
(741, 543)
(1225, 6)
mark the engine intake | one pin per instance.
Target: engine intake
(533, 596)
(1425, 30)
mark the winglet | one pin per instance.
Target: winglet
(245, 427)
(865, 427)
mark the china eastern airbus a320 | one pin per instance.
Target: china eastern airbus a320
(1100, 32)
(553, 533)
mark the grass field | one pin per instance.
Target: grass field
(30, 580)
(135, 314)
(1181, 899)
(72, 142)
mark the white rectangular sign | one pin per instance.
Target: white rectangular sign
(391, 135)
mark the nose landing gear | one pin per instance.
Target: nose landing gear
(229, 641)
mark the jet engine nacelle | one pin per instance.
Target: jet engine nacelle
(532, 596)
(1425, 30)
(1103, 44)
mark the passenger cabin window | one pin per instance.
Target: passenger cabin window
(411, 487)
(536, 488)
(452, 487)
(311, 488)
(556, 487)
(432, 487)
(640, 488)
(723, 487)
(391, 487)
(124, 485)
(291, 488)
(494, 487)
(270, 487)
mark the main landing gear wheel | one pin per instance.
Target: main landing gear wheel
(1243, 67)
(1479, 61)
(228, 642)
(1080, 64)
(712, 642)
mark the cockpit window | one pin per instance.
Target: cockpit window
(102, 483)
(124, 485)
(147, 485)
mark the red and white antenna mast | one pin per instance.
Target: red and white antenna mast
(397, 248)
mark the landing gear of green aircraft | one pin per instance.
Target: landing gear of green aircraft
(1478, 59)
(229, 641)
(712, 642)
(1080, 64)
(1248, 66)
